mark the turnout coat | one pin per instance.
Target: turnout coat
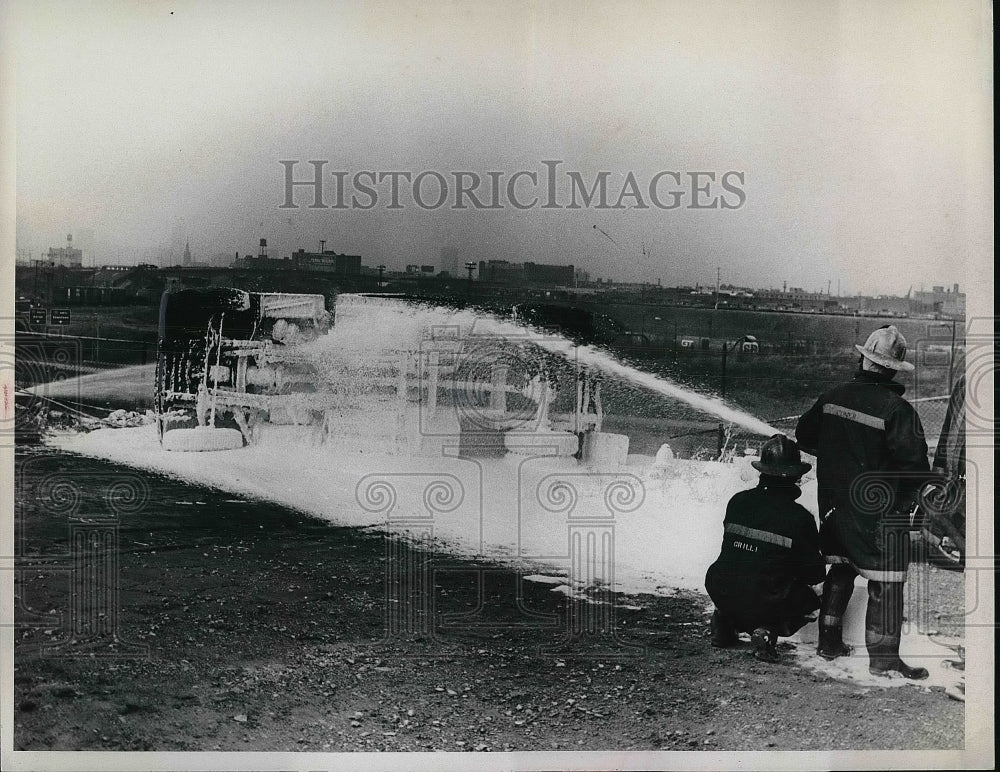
(770, 555)
(871, 459)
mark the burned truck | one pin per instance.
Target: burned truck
(228, 359)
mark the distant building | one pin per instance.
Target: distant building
(261, 263)
(66, 257)
(559, 275)
(500, 272)
(505, 272)
(950, 302)
(327, 261)
(452, 262)
(790, 295)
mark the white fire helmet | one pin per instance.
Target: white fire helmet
(886, 347)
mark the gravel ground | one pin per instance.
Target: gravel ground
(245, 626)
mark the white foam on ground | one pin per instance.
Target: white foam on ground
(667, 541)
(664, 544)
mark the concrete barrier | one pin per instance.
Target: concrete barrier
(605, 449)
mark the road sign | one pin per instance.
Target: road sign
(36, 316)
(60, 316)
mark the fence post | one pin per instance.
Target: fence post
(725, 353)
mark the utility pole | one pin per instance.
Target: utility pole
(725, 355)
(951, 361)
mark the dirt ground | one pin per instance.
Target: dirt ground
(246, 626)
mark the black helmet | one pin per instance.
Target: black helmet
(779, 457)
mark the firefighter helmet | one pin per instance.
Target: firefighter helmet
(779, 457)
(886, 347)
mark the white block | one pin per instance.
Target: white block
(604, 449)
(542, 443)
(202, 438)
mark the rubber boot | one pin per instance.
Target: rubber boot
(837, 590)
(764, 647)
(723, 631)
(883, 630)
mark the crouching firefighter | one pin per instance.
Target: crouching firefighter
(762, 580)
(871, 462)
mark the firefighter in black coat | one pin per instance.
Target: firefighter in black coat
(761, 582)
(871, 460)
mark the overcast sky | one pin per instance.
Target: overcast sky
(862, 133)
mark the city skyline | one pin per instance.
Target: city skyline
(445, 262)
(449, 259)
